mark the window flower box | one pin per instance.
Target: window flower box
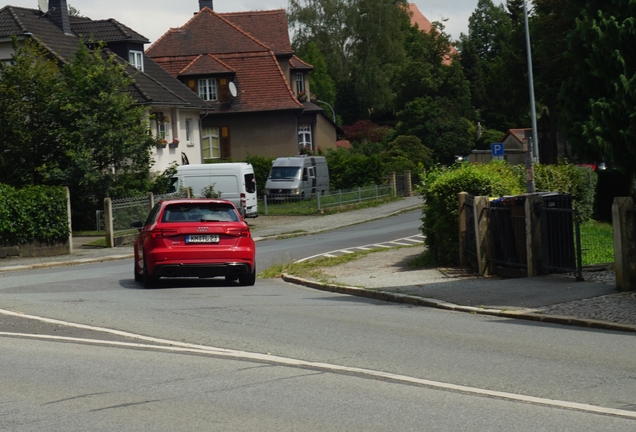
(161, 143)
(174, 143)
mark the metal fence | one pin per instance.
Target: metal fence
(292, 204)
(129, 210)
(560, 236)
(507, 253)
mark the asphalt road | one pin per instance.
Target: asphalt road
(283, 357)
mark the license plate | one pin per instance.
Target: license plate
(202, 239)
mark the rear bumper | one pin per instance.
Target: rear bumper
(202, 270)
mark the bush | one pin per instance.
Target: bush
(349, 170)
(565, 178)
(34, 213)
(440, 190)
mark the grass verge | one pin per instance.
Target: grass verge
(597, 243)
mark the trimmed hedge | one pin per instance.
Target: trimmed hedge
(34, 213)
(441, 187)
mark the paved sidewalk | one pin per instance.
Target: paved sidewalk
(559, 299)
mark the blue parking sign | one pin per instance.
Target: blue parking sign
(497, 150)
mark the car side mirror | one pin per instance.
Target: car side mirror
(137, 224)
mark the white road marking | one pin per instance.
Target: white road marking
(177, 346)
(387, 245)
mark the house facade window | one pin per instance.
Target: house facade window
(207, 89)
(188, 130)
(210, 143)
(304, 137)
(160, 124)
(136, 58)
(300, 83)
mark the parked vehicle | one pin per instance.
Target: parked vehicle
(194, 238)
(299, 177)
(233, 181)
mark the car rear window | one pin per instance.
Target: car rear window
(200, 213)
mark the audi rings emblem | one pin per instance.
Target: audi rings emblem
(202, 229)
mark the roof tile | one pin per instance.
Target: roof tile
(269, 27)
(206, 33)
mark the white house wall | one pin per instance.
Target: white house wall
(176, 128)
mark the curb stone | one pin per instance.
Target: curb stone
(526, 314)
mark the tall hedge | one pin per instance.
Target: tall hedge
(440, 191)
(34, 213)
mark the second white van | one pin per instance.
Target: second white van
(299, 177)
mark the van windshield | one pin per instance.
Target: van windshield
(281, 173)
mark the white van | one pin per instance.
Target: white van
(233, 181)
(299, 177)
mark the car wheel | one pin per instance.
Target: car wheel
(149, 280)
(138, 276)
(248, 279)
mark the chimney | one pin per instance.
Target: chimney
(58, 14)
(206, 3)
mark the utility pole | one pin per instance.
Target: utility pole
(533, 110)
(533, 143)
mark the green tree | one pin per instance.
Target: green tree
(362, 41)
(493, 58)
(73, 126)
(30, 89)
(601, 50)
(436, 122)
(107, 139)
(320, 82)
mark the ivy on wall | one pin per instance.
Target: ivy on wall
(34, 213)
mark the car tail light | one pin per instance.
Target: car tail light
(163, 233)
(243, 201)
(238, 232)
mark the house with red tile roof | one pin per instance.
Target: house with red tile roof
(175, 110)
(242, 64)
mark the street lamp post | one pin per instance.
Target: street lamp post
(333, 113)
(533, 149)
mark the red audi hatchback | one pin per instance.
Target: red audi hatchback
(194, 238)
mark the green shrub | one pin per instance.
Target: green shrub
(33, 213)
(440, 190)
(566, 178)
(348, 170)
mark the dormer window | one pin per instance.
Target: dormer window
(207, 89)
(300, 83)
(136, 58)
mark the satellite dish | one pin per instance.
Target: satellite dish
(43, 5)
(232, 87)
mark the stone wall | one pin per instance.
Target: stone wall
(34, 250)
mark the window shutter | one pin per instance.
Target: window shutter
(224, 93)
(225, 143)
